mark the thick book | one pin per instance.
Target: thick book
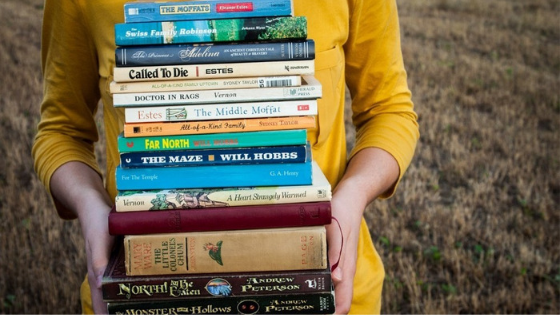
(211, 31)
(310, 303)
(205, 84)
(217, 126)
(212, 176)
(148, 11)
(310, 89)
(220, 218)
(117, 286)
(213, 71)
(233, 156)
(218, 111)
(220, 252)
(177, 54)
(212, 140)
(167, 199)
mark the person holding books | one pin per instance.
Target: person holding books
(357, 43)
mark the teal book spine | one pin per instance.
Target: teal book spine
(245, 175)
(211, 31)
(213, 140)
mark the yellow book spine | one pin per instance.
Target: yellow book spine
(301, 248)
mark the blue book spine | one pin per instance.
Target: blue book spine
(237, 156)
(246, 175)
(211, 31)
(212, 140)
(138, 11)
(155, 55)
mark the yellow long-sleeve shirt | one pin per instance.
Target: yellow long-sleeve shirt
(357, 43)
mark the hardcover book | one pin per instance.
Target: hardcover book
(205, 84)
(220, 218)
(213, 71)
(212, 176)
(147, 11)
(176, 54)
(218, 126)
(310, 303)
(299, 248)
(212, 140)
(117, 286)
(132, 200)
(218, 111)
(246, 155)
(310, 90)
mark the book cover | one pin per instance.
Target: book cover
(147, 11)
(205, 84)
(310, 303)
(220, 218)
(310, 90)
(132, 200)
(213, 71)
(117, 286)
(176, 54)
(298, 248)
(219, 111)
(212, 140)
(217, 126)
(245, 155)
(212, 176)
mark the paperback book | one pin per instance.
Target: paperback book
(205, 84)
(212, 176)
(117, 286)
(310, 90)
(147, 11)
(233, 156)
(282, 249)
(310, 303)
(167, 199)
(217, 126)
(213, 71)
(220, 218)
(176, 54)
(212, 140)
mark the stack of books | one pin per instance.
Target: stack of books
(220, 205)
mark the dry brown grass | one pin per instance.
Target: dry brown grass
(474, 227)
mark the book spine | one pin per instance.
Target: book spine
(218, 111)
(220, 218)
(212, 140)
(217, 126)
(213, 176)
(205, 84)
(138, 11)
(302, 248)
(248, 155)
(159, 55)
(219, 70)
(304, 92)
(131, 200)
(312, 303)
(182, 287)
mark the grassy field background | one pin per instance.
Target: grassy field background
(474, 226)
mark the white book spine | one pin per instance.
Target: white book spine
(220, 111)
(208, 71)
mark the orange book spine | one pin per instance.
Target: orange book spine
(218, 126)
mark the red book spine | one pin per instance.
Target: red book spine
(220, 218)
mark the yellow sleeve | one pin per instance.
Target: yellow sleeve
(381, 100)
(67, 130)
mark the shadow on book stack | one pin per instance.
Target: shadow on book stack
(221, 208)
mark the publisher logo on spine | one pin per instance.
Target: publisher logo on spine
(234, 7)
